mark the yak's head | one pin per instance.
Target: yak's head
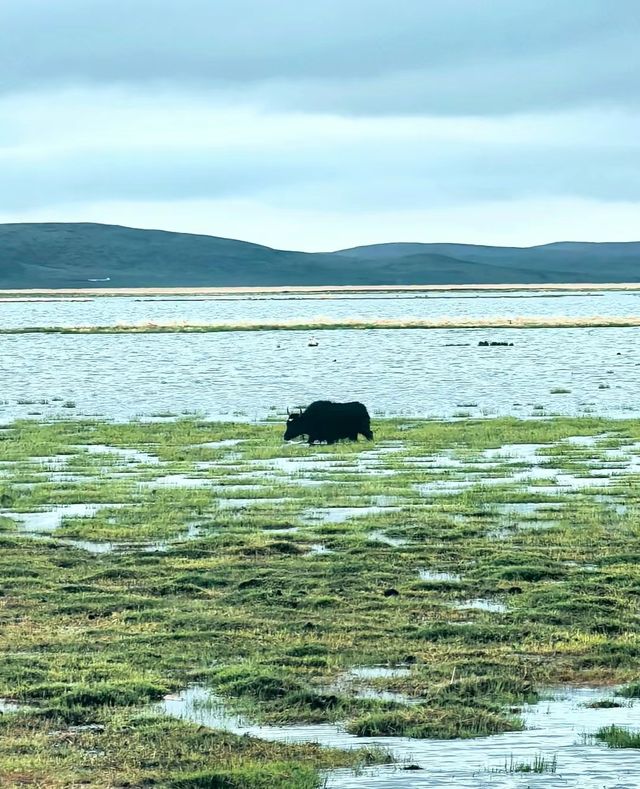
(295, 426)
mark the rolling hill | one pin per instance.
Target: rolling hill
(84, 255)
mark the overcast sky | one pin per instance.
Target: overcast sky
(325, 124)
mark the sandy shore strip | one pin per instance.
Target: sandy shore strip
(319, 324)
(302, 289)
(41, 299)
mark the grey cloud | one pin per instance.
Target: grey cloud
(356, 175)
(363, 56)
(546, 82)
(84, 176)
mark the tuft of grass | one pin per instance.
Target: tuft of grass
(96, 695)
(435, 723)
(539, 764)
(256, 683)
(618, 737)
(630, 691)
(603, 704)
(275, 776)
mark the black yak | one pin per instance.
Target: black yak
(327, 421)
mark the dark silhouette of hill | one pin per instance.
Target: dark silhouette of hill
(69, 255)
(565, 261)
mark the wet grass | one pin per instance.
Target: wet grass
(618, 737)
(538, 765)
(630, 691)
(244, 606)
(443, 723)
(124, 748)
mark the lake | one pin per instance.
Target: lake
(250, 375)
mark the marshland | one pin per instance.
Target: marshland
(189, 602)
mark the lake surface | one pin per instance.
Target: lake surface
(436, 373)
(251, 375)
(107, 311)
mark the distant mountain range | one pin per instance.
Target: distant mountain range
(83, 255)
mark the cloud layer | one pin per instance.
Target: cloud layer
(357, 109)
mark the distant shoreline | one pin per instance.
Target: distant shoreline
(54, 294)
(318, 324)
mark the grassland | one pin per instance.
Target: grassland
(478, 561)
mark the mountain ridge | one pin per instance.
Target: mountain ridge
(94, 255)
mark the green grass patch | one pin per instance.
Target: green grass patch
(275, 776)
(618, 737)
(538, 765)
(435, 723)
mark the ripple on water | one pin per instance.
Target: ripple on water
(481, 604)
(239, 503)
(129, 546)
(342, 514)
(317, 465)
(385, 539)
(561, 482)
(179, 481)
(355, 682)
(9, 706)
(45, 521)
(526, 508)
(127, 455)
(317, 549)
(379, 672)
(232, 373)
(432, 575)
